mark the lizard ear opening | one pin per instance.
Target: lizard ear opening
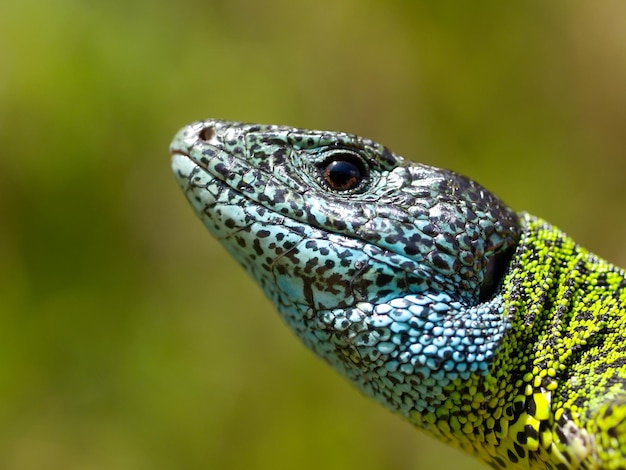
(494, 272)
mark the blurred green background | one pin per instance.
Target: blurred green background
(128, 340)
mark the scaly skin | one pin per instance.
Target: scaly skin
(492, 331)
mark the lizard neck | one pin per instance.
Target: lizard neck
(558, 361)
(562, 301)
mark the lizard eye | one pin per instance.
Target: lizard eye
(343, 171)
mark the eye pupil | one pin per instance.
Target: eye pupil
(343, 174)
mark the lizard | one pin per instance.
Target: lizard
(491, 330)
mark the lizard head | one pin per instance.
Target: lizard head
(373, 260)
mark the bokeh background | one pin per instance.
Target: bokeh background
(128, 339)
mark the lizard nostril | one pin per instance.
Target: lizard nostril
(207, 133)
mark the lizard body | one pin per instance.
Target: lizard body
(490, 330)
